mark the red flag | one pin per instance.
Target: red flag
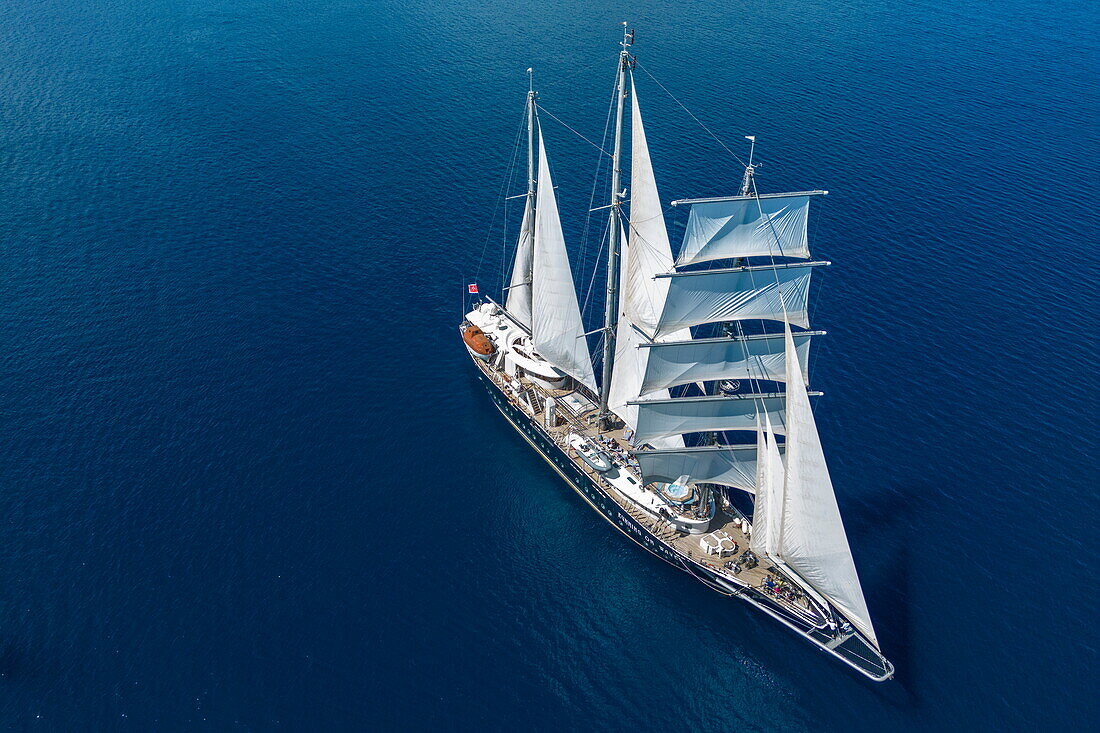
(472, 288)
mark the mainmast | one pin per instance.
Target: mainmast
(611, 307)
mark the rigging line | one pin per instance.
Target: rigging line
(567, 127)
(597, 361)
(504, 274)
(595, 182)
(592, 280)
(779, 286)
(767, 218)
(677, 101)
(754, 367)
(500, 195)
(514, 173)
(754, 381)
(592, 195)
(650, 247)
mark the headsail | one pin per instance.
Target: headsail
(768, 505)
(812, 540)
(556, 327)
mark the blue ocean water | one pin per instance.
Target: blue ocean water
(247, 479)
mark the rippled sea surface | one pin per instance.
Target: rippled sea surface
(247, 478)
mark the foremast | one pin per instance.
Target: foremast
(614, 245)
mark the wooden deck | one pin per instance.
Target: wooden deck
(531, 394)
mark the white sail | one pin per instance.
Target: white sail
(626, 380)
(519, 291)
(649, 250)
(777, 479)
(736, 294)
(758, 540)
(659, 418)
(729, 465)
(812, 540)
(768, 504)
(645, 252)
(556, 327)
(750, 357)
(746, 227)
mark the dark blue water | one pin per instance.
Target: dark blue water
(247, 480)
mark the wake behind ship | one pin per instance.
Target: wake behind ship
(703, 390)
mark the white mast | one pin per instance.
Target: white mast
(612, 303)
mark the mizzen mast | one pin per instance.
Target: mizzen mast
(615, 231)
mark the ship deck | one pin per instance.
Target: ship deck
(530, 398)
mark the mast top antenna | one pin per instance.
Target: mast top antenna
(750, 169)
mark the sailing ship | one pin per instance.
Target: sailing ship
(703, 405)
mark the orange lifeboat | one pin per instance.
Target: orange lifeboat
(477, 342)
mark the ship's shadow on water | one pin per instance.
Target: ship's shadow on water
(14, 664)
(22, 664)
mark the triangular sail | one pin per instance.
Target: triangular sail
(643, 296)
(812, 540)
(758, 541)
(645, 252)
(768, 503)
(556, 327)
(519, 290)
